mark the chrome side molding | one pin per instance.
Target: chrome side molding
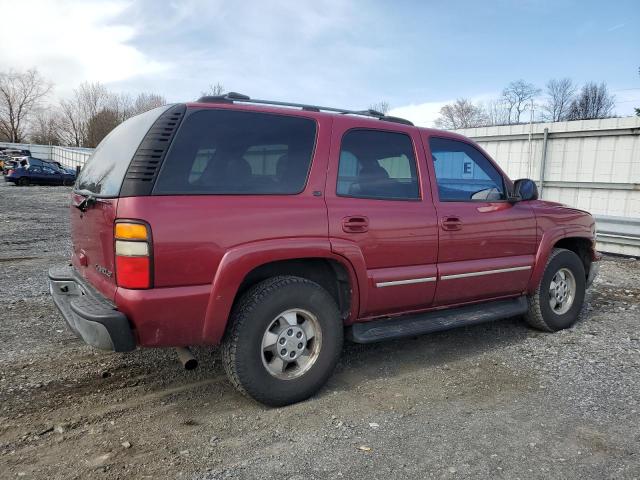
(484, 272)
(405, 282)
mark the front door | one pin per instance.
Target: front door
(487, 244)
(381, 214)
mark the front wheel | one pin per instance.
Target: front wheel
(284, 340)
(557, 301)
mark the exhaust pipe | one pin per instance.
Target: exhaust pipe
(186, 358)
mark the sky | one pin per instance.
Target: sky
(415, 55)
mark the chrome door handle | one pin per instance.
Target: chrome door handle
(356, 224)
(451, 223)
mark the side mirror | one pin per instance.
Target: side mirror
(525, 189)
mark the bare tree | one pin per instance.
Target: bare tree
(517, 97)
(381, 106)
(214, 90)
(90, 114)
(21, 94)
(125, 106)
(560, 94)
(45, 129)
(121, 104)
(497, 112)
(147, 101)
(71, 125)
(461, 114)
(87, 100)
(593, 101)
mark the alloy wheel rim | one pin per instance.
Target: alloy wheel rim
(562, 291)
(291, 344)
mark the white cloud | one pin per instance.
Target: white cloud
(321, 52)
(425, 114)
(71, 41)
(421, 114)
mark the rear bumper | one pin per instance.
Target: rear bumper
(88, 314)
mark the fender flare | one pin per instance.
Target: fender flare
(238, 261)
(549, 239)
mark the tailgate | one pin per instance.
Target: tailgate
(93, 247)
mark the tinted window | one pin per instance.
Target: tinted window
(107, 166)
(234, 152)
(463, 173)
(376, 164)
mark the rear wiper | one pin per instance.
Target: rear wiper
(84, 205)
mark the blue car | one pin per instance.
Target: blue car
(34, 171)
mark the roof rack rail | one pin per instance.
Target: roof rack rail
(232, 97)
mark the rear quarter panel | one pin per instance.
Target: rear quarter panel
(193, 234)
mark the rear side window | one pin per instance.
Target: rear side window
(463, 173)
(377, 164)
(234, 152)
(105, 170)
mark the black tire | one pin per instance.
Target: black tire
(541, 315)
(23, 181)
(242, 353)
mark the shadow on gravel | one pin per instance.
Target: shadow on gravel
(362, 363)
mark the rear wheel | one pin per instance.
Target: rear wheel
(557, 301)
(284, 340)
(23, 181)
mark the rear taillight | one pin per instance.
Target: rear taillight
(10, 172)
(133, 254)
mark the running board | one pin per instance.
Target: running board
(435, 321)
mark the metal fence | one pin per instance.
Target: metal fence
(71, 157)
(589, 164)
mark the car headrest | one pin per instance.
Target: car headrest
(373, 171)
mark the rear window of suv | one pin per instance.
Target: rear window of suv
(236, 152)
(105, 170)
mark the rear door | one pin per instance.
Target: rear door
(486, 245)
(36, 175)
(51, 176)
(381, 213)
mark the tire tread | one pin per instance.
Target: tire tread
(249, 301)
(534, 316)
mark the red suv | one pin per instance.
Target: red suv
(275, 229)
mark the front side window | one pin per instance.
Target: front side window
(235, 152)
(378, 165)
(463, 173)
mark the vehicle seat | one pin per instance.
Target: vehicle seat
(372, 179)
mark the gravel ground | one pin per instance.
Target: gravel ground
(492, 401)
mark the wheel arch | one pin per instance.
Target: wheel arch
(581, 243)
(581, 246)
(249, 264)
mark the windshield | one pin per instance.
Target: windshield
(104, 172)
